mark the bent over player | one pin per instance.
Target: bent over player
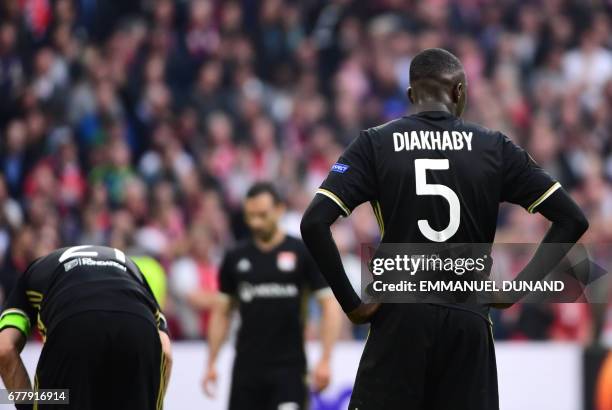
(432, 177)
(105, 338)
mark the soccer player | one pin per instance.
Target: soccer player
(105, 338)
(432, 177)
(267, 277)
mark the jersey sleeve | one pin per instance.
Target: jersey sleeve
(227, 281)
(18, 311)
(525, 183)
(155, 275)
(314, 279)
(352, 179)
(153, 285)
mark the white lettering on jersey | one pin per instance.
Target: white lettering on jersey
(432, 140)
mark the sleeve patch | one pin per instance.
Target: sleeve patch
(339, 168)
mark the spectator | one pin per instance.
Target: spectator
(194, 282)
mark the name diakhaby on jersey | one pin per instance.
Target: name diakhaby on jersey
(432, 140)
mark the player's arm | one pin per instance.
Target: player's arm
(220, 319)
(329, 322)
(568, 224)
(316, 233)
(15, 326)
(525, 183)
(154, 281)
(329, 328)
(329, 331)
(166, 346)
(13, 372)
(218, 329)
(351, 181)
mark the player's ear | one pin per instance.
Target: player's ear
(410, 96)
(458, 91)
(459, 98)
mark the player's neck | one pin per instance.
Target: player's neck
(430, 105)
(267, 245)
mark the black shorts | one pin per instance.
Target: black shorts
(427, 357)
(108, 360)
(268, 388)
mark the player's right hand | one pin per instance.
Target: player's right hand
(363, 313)
(209, 383)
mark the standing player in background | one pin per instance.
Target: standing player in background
(432, 177)
(267, 278)
(105, 338)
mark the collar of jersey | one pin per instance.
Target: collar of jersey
(435, 114)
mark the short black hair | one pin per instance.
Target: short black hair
(434, 64)
(264, 187)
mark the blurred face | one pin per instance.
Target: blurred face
(200, 242)
(7, 37)
(262, 214)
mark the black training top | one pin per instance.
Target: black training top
(432, 177)
(77, 279)
(270, 288)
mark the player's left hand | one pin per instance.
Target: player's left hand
(321, 376)
(363, 313)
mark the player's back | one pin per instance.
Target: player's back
(100, 325)
(86, 278)
(432, 177)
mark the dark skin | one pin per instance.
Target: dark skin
(445, 93)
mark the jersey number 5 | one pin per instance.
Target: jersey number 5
(423, 188)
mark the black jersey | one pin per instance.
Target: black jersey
(270, 288)
(432, 177)
(77, 279)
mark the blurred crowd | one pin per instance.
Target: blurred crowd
(141, 124)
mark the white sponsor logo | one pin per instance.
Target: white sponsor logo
(248, 291)
(71, 264)
(93, 262)
(244, 265)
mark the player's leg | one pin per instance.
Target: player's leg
(134, 363)
(248, 390)
(397, 354)
(289, 391)
(464, 374)
(71, 358)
